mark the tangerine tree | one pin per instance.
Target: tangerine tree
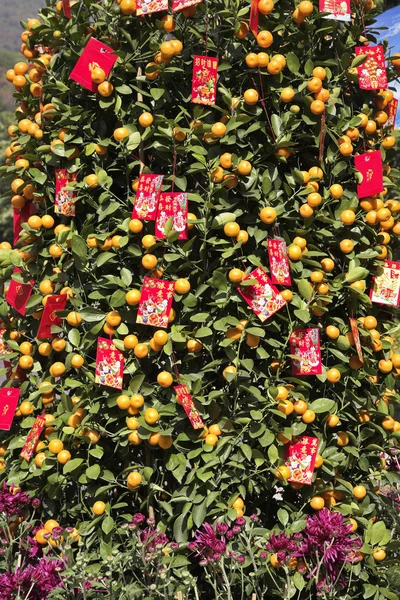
(269, 159)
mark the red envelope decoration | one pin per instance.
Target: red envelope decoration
(155, 302)
(339, 9)
(64, 200)
(181, 4)
(147, 197)
(19, 293)
(278, 262)
(204, 80)
(372, 73)
(49, 316)
(20, 216)
(95, 54)
(67, 8)
(146, 7)
(33, 438)
(300, 458)
(186, 401)
(8, 403)
(386, 286)
(305, 346)
(172, 204)
(391, 110)
(371, 169)
(356, 336)
(263, 298)
(109, 364)
(254, 17)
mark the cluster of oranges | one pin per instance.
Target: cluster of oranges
(44, 537)
(167, 51)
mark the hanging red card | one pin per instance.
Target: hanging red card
(386, 286)
(204, 80)
(109, 364)
(391, 110)
(300, 457)
(278, 262)
(305, 349)
(263, 298)
(372, 73)
(64, 199)
(95, 54)
(181, 4)
(254, 17)
(155, 302)
(356, 337)
(147, 197)
(172, 204)
(371, 169)
(19, 293)
(33, 438)
(20, 216)
(67, 8)
(186, 401)
(338, 9)
(146, 7)
(49, 316)
(8, 403)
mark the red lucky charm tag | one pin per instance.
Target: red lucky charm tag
(8, 403)
(147, 197)
(172, 204)
(204, 80)
(33, 438)
(386, 286)
(109, 364)
(19, 293)
(306, 352)
(372, 73)
(155, 302)
(146, 7)
(64, 200)
(371, 169)
(67, 8)
(301, 453)
(49, 316)
(181, 4)
(391, 110)
(263, 298)
(338, 9)
(186, 401)
(278, 262)
(94, 55)
(254, 17)
(20, 216)
(356, 336)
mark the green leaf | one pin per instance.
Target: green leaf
(93, 472)
(72, 465)
(356, 274)
(199, 513)
(305, 289)
(108, 524)
(293, 62)
(322, 405)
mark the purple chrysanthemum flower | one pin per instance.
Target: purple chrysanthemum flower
(138, 518)
(13, 502)
(207, 542)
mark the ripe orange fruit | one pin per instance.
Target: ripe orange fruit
(294, 252)
(314, 85)
(319, 461)
(308, 416)
(265, 39)
(55, 446)
(252, 60)
(26, 362)
(128, 7)
(244, 167)
(242, 31)
(229, 370)
(74, 319)
(265, 7)
(57, 369)
(146, 119)
(63, 457)
(386, 366)
(77, 361)
(251, 97)
(346, 246)
(282, 472)
(333, 375)
(327, 264)
(319, 72)
(134, 479)
(300, 407)
(287, 94)
(231, 229)
(305, 8)
(379, 554)
(359, 492)
(133, 297)
(105, 89)
(317, 503)
(342, 439)
(182, 286)
(121, 133)
(99, 507)
(164, 379)
(211, 439)
(287, 295)
(263, 60)
(286, 407)
(268, 215)
(347, 217)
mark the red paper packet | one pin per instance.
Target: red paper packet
(181, 4)
(172, 204)
(278, 262)
(204, 80)
(109, 364)
(254, 17)
(305, 345)
(186, 401)
(8, 403)
(371, 168)
(20, 216)
(339, 9)
(391, 110)
(33, 438)
(300, 458)
(155, 302)
(67, 8)
(264, 298)
(386, 286)
(146, 7)
(64, 199)
(49, 316)
(95, 54)
(356, 336)
(372, 73)
(19, 293)
(147, 197)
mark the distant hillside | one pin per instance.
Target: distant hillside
(11, 13)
